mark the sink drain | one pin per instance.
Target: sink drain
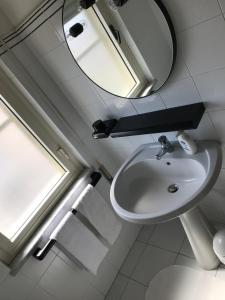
(173, 188)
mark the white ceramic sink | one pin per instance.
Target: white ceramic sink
(140, 190)
(146, 190)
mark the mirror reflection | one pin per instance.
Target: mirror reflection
(126, 47)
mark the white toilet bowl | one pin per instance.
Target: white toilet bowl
(182, 283)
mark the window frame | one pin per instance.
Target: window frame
(16, 99)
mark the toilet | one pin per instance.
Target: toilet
(183, 283)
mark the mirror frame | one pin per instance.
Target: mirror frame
(174, 43)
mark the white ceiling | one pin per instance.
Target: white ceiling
(17, 10)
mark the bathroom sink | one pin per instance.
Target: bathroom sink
(146, 190)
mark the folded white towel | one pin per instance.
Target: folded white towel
(76, 240)
(91, 204)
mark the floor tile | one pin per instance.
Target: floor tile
(146, 233)
(117, 288)
(134, 291)
(151, 262)
(192, 263)
(186, 249)
(221, 272)
(132, 258)
(169, 235)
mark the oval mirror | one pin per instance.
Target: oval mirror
(126, 47)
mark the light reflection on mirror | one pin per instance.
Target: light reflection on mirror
(127, 54)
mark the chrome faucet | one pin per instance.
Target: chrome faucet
(166, 147)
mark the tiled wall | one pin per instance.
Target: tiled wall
(199, 75)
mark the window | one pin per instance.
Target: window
(34, 170)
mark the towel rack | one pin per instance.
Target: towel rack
(41, 252)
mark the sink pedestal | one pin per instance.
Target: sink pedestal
(200, 234)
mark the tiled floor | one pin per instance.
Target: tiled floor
(156, 247)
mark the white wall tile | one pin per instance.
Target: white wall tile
(148, 104)
(56, 21)
(60, 64)
(180, 70)
(134, 291)
(186, 14)
(218, 119)
(169, 235)
(212, 89)
(151, 262)
(45, 39)
(205, 130)
(120, 107)
(203, 46)
(83, 98)
(180, 93)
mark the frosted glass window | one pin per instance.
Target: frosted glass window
(28, 174)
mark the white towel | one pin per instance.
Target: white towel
(91, 204)
(75, 239)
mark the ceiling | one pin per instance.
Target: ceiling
(15, 12)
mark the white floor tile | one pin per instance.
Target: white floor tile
(151, 262)
(186, 249)
(192, 263)
(92, 293)
(169, 235)
(16, 287)
(203, 46)
(34, 269)
(132, 258)
(134, 291)
(221, 272)
(186, 261)
(39, 294)
(214, 207)
(146, 233)
(222, 3)
(105, 277)
(117, 288)
(63, 282)
(4, 271)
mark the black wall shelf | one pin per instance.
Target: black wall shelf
(166, 120)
